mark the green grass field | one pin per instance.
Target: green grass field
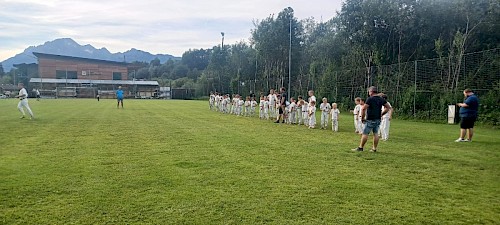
(175, 162)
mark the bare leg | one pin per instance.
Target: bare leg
(462, 133)
(375, 141)
(364, 138)
(471, 132)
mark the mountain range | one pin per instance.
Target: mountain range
(69, 47)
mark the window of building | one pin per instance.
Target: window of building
(117, 76)
(64, 74)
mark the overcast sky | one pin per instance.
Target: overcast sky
(156, 26)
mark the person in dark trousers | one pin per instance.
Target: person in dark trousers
(372, 109)
(119, 96)
(282, 102)
(468, 115)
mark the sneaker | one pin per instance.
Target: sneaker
(461, 140)
(467, 140)
(277, 121)
(373, 150)
(22, 117)
(358, 149)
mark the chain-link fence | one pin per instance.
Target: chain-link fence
(420, 89)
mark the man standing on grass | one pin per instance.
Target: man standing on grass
(37, 95)
(119, 96)
(373, 110)
(282, 104)
(23, 101)
(468, 115)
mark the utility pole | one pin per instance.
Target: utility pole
(290, 60)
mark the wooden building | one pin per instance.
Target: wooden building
(68, 76)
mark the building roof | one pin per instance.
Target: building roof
(86, 81)
(53, 56)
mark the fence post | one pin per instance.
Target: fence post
(415, 93)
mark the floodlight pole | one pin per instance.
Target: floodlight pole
(290, 60)
(224, 57)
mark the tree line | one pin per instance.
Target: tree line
(362, 37)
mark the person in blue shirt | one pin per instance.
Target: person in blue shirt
(468, 115)
(119, 96)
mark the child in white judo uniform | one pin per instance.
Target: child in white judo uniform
(334, 112)
(311, 113)
(325, 111)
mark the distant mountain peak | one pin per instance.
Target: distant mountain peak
(69, 47)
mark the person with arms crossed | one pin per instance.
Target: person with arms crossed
(23, 101)
(373, 110)
(119, 96)
(468, 115)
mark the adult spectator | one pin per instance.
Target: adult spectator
(311, 96)
(282, 102)
(468, 115)
(373, 111)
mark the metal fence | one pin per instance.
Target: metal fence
(421, 88)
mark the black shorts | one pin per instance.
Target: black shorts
(467, 122)
(280, 110)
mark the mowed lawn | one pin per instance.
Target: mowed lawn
(175, 162)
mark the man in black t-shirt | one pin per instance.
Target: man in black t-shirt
(373, 111)
(282, 99)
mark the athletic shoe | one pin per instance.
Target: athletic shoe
(461, 140)
(373, 150)
(467, 140)
(22, 117)
(358, 149)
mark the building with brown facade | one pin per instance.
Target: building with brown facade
(68, 76)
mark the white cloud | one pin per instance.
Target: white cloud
(157, 26)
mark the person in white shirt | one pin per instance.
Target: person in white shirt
(311, 96)
(266, 108)
(247, 106)
(241, 102)
(325, 111)
(234, 104)
(305, 114)
(23, 101)
(216, 103)
(261, 107)
(292, 117)
(298, 107)
(335, 117)
(356, 112)
(253, 106)
(225, 103)
(37, 95)
(361, 125)
(385, 123)
(211, 101)
(311, 113)
(272, 98)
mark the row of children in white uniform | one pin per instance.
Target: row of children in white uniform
(235, 105)
(385, 122)
(297, 111)
(303, 112)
